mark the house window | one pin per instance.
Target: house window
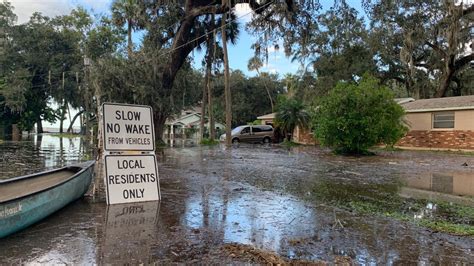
(443, 120)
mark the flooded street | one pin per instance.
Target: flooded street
(254, 203)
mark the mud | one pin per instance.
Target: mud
(258, 204)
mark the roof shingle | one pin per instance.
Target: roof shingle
(440, 104)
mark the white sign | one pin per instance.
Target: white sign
(131, 178)
(128, 127)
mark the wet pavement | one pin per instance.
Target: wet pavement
(299, 203)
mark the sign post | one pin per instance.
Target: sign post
(131, 171)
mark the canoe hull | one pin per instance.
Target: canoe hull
(20, 213)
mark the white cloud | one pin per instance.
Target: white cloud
(25, 8)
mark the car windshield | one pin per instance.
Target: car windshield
(237, 130)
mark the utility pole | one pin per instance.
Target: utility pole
(228, 103)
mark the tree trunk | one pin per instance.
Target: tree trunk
(212, 127)
(69, 129)
(39, 126)
(129, 41)
(203, 111)
(446, 79)
(159, 120)
(228, 104)
(63, 117)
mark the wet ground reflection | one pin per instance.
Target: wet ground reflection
(289, 201)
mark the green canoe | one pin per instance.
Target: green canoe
(27, 199)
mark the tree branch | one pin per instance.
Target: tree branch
(463, 61)
(436, 48)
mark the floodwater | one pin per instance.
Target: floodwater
(41, 152)
(289, 201)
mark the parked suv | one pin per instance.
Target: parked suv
(258, 133)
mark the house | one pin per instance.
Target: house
(267, 119)
(441, 123)
(300, 135)
(187, 124)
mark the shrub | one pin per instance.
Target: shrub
(354, 117)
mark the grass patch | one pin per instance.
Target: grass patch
(66, 135)
(443, 226)
(209, 142)
(289, 143)
(383, 200)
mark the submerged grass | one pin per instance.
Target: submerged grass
(383, 200)
(289, 144)
(66, 135)
(209, 142)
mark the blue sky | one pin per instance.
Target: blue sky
(239, 54)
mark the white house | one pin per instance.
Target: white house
(187, 125)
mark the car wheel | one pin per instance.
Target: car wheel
(266, 140)
(235, 140)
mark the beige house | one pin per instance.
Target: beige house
(441, 123)
(267, 119)
(300, 135)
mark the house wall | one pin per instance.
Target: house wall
(463, 120)
(423, 135)
(267, 121)
(303, 136)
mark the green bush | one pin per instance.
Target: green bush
(354, 117)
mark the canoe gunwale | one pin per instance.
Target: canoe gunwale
(77, 169)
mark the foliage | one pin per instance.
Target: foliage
(355, 116)
(422, 44)
(209, 142)
(255, 122)
(290, 114)
(244, 107)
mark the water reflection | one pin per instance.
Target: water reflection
(130, 230)
(455, 187)
(36, 153)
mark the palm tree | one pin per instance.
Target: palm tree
(127, 12)
(291, 113)
(255, 64)
(214, 56)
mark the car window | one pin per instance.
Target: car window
(237, 130)
(245, 130)
(256, 129)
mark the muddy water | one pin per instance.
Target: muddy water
(268, 197)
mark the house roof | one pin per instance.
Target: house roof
(181, 119)
(404, 100)
(440, 104)
(267, 116)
